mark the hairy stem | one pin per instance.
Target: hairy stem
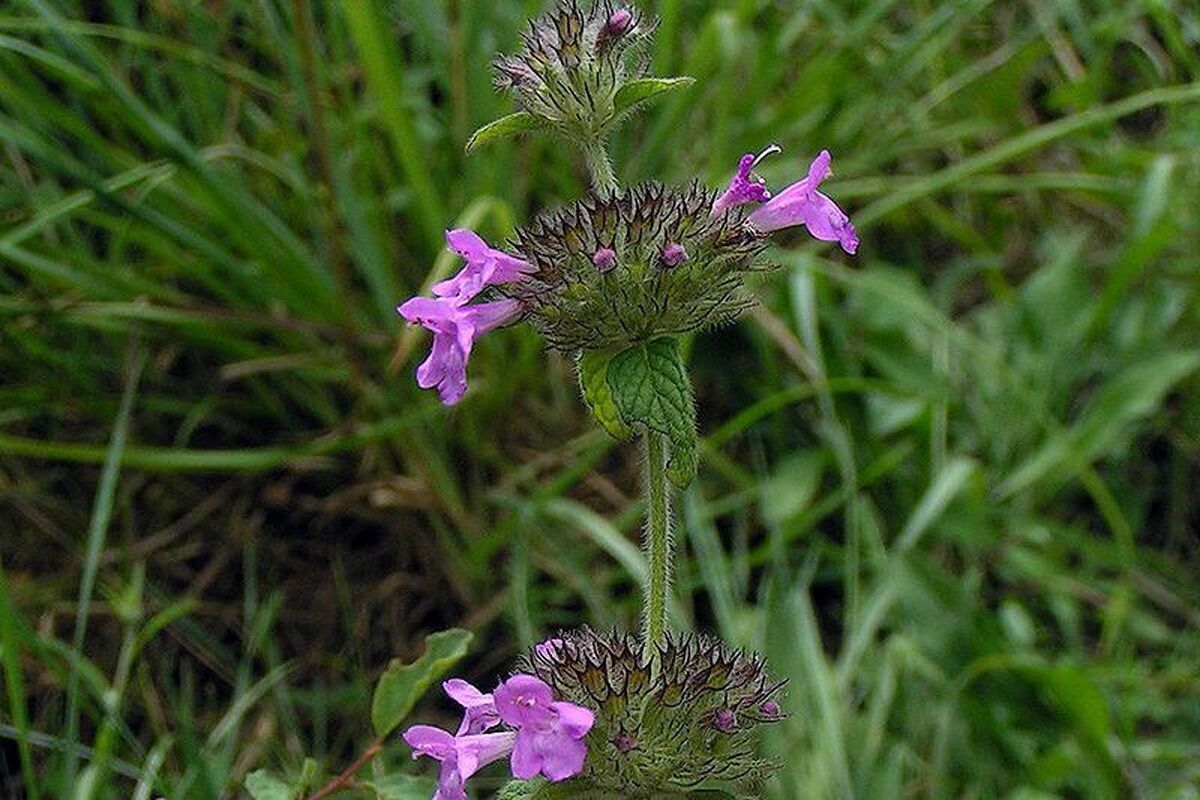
(595, 153)
(658, 539)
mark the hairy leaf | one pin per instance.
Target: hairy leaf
(593, 381)
(403, 684)
(651, 389)
(512, 125)
(643, 90)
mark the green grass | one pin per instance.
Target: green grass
(948, 486)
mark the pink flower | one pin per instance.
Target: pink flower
(460, 756)
(802, 204)
(605, 259)
(745, 187)
(549, 732)
(479, 712)
(485, 267)
(455, 328)
(673, 254)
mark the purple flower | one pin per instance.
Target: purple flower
(724, 720)
(745, 186)
(619, 22)
(485, 267)
(549, 732)
(802, 204)
(673, 254)
(455, 328)
(479, 709)
(605, 259)
(461, 756)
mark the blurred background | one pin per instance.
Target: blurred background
(951, 486)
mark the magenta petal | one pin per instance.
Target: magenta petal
(576, 720)
(464, 693)
(563, 758)
(526, 761)
(485, 267)
(485, 317)
(524, 700)
(480, 710)
(466, 243)
(426, 740)
(818, 170)
(827, 222)
(477, 751)
(427, 311)
(744, 187)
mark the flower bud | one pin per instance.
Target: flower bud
(605, 259)
(673, 254)
(619, 22)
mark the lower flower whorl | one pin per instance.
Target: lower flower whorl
(613, 271)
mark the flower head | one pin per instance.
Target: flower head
(485, 267)
(679, 716)
(479, 709)
(573, 61)
(745, 187)
(802, 204)
(549, 732)
(455, 328)
(460, 756)
(675, 267)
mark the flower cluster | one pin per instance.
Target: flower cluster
(544, 736)
(573, 64)
(673, 717)
(612, 271)
(456, 322)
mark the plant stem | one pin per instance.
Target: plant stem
(595, 153)
(347, 776)
(658, 539)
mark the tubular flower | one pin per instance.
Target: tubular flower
(745, 187)
(479, 709)
(460, 756)
(485, 267)
(802, 204)
(455, 328)
(549, 732)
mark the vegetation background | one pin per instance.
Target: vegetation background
(950, 486)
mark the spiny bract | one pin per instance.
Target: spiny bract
(618, 270)
(574, 61)
(677, 718)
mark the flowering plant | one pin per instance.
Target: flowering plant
(612, 279)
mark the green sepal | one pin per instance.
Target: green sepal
(511, 125)
(401, 686)
(593, 382)
(643, 90)
(652, 391)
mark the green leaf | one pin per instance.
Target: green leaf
(403, 684)
(652, 390)
(511, 125)
(402, 787)
(643, 90)
(593, 374)
(262, 785)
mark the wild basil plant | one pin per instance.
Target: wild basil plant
(614, 279)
